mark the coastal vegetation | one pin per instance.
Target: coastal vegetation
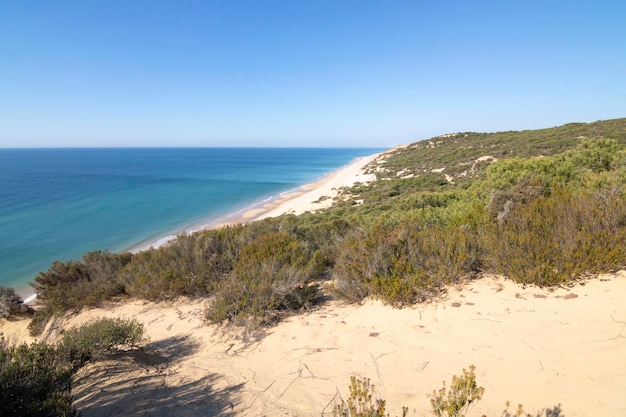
(541, 207)
(454, 400)
(9, 302)
(36, 379)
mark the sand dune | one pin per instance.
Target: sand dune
(542, 348)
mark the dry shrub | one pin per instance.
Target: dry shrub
(552, 240)
(273, 273)
(361, 401)
(9, 302)
(456, 400)
(403, 264)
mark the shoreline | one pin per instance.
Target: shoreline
(297, 201)
(313, 196)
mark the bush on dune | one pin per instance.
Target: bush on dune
(36, 379)
(273, 273)
(402, 264)
(99, 338)
(76, 284)
(9, 302)
(191, 265)
(552, 240)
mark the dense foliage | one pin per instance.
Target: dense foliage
(540, 207)
(9, 302)
(36, 380)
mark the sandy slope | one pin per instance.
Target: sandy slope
(538, 347)
(533, 346)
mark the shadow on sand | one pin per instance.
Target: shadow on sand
(146, 382)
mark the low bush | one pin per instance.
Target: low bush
(272, 274)
(35, 380)
(9, 302)
(99, 338)
(552, 240)
(402, 264)
(457, 400)
(77, 284)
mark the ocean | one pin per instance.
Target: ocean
(58, 204)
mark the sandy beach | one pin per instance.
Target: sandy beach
(562, 348)
(309, 197)
(314, 196)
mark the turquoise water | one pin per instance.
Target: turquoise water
(57, 204)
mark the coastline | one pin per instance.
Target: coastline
(297, 201)
(311, 197)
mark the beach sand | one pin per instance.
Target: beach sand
(315, 196)
(543, 348)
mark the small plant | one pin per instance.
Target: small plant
(456, 401)
(39, 321)
(518, 413)
(360, 403)
(101, 337)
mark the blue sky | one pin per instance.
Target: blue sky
(302, 73)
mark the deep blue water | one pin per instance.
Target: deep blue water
(57, 204)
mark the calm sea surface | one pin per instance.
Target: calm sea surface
(57, 204)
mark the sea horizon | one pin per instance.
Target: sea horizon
(60, 203)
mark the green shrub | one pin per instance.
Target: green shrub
(34, 381)
(361, 402)
(99, 338)
(9, 302)
(273, 273)
(553, 240)
(77, 284)
(402, 264)
(457, 400)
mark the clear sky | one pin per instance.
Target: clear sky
(302, 72)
